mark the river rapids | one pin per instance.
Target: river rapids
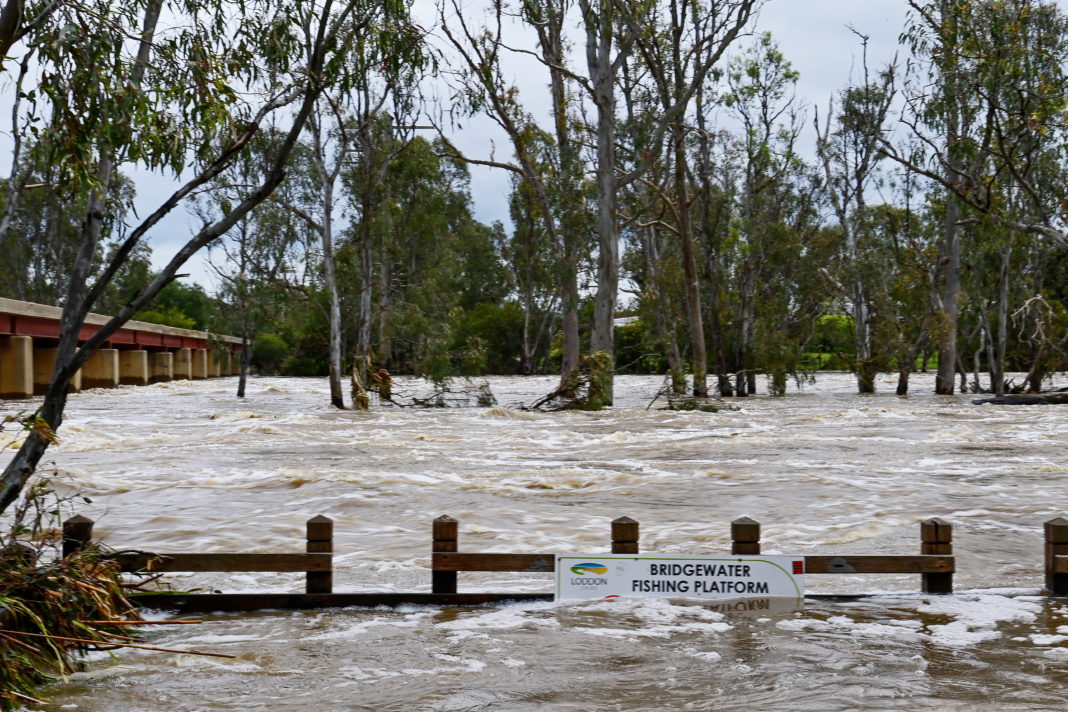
(186, 466)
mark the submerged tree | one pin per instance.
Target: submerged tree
(849, 155)
(256, 259)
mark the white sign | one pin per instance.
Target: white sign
(580, 577)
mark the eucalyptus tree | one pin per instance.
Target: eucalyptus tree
(649, 213)
(380, 137)
(549, 168)
(533, 262)
(849, 155)
(386, 58)
(719, 165)
(42, 230)
(256, 260)
(427, 242)
(21, 168)
(547, 18)
(987, 102)
(19, 20)
(612, 29)
(760, 96)
(672, 51)
(208, 75)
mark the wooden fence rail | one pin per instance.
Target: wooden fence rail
(935, 564)
(317, 562)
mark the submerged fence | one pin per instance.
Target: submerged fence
(935, 564)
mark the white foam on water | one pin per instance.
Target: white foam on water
(506, 618)
(1046, 639)
(358, 628)
(977, 617)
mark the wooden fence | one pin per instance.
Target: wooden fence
(935, 564)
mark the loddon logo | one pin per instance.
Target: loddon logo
(589, 568)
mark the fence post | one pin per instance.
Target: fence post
(1056, 544)
(625, 536)
(320, 538)
(745, 536)
(936, 537)
(77, 533)
(446, 533)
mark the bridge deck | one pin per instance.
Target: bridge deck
(42, 321)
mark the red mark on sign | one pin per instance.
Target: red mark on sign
(799, 567)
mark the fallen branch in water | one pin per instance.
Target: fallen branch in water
(140, 623)
(89, 641)
(21, 696)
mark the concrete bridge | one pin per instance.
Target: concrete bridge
(137, 354)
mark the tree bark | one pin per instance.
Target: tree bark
(599, 61)
(949, 248)
(327, 176)
(949, 273)
(550, 34)
(998, 367)
(699, 355)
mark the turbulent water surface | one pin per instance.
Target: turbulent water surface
(185, 466)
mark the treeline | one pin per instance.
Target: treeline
(668, 212)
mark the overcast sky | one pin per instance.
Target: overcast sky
(814, 35)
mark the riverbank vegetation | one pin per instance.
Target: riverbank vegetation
(53, 608)
(675, 207)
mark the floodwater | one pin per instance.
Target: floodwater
(185, 466)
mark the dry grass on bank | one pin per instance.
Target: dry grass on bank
(53, 609)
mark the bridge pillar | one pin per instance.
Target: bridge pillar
(214, 364)
(133, 368)
(16, 366)
(200, 363)
(161, 367)
(101, 370)
(183, 364)
(44, 361)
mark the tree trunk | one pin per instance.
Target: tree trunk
(998, 367)
(977, 361)
(949, 269)
(599, 32)
(903, 380)
(689, 266)
(861, 319)
(949, 248)
(550, 34)
(337, 398)
(384, 350)
(525, 356)
(246, 356)
(363, 330)
(742, 380)
(572, 349)
(243, 367)
(665, 332)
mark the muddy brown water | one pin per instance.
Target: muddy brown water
(186, 466)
